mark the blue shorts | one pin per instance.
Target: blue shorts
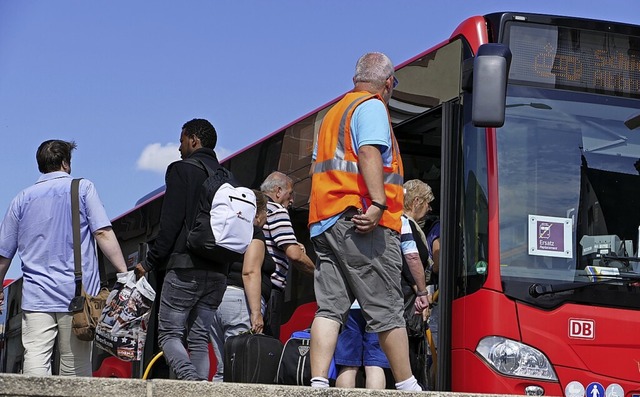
(356, 347)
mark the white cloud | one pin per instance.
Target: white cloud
(223, 153)
(156, 157)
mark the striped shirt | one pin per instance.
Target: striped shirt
(278, 233)
(407, 242)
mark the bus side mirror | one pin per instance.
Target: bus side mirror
(490, 75)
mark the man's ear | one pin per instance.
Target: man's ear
(195, 141)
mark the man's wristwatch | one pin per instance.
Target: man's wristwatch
(381, 206)
(422, 293)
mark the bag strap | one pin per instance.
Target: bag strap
(75, 220)
(421, 241)
(200, 164)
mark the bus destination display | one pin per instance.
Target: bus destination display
(575, 59)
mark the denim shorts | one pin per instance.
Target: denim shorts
(356, 347)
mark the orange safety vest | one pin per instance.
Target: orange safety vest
(336, 182)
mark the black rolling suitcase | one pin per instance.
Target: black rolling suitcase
(251, 358)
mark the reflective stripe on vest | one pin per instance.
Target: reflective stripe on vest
(352, 167)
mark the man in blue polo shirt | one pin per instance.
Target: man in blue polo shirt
(38, 227)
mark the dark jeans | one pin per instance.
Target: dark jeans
(188, 302)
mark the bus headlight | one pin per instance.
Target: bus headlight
(515, 359)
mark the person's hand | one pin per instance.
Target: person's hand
(257, 323)
(366, 222)
(422, 303)
(304, 250)
(139, 271)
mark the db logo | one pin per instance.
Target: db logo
(582, 329)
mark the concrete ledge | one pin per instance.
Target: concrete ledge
(20, 385)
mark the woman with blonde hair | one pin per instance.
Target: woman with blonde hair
(413, 242)
(417, 198)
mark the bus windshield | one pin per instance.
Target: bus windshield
(569, 194)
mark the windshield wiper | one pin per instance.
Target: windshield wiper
(613, 257)
(536, 290)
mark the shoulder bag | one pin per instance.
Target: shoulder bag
(86, 309)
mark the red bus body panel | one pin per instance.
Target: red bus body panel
(474, 30)
(603, 358)
(598, 355)
(470, 321)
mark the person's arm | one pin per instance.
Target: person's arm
(282, 234)
(9, 239)
(109, 246)
(299, 258)
(252, 280)
(100, 226)
(312, 168)
(172, 217)
(370, 165)
(4, 267)
(371, 137)
(436, 255)
(417, 271)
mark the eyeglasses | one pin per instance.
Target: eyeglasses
(395, 82)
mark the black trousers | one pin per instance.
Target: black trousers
(273, 315)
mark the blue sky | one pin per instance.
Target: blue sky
(121, 77)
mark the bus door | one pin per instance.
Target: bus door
(430, 149)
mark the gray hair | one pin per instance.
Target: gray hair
(274, 181)
(373, 68)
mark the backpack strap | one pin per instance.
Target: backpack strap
(200, 164)
(418, 235)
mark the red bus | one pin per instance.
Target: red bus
(524, 126)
